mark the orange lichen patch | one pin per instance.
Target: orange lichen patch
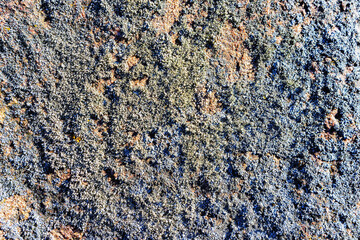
(139, 83)
(3, 110)
(328, 136)
(330, 120)
(358, 206)
(130, 62)
(61, 175)
(14, 209)
(297, 29)
(135, 137)
(101, 84)
(172, 13)
(198, 13)
(231, 50)
(251, 156)
(174, 37)
(80, 7)
(77, 138)
(276, 161)
(26, 8)
(66, 233)
(209, 102)
(99, 132)
(342, 76)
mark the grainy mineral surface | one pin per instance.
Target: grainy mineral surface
(179, 119)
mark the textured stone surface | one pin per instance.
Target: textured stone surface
(136, 119)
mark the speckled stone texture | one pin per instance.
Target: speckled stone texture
(179, 119)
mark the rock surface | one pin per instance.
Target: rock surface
(179, 119)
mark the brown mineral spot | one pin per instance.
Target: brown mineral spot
(342, 76)
(297, 29)
(358, 206)
(198, 13)
(99, 132)
(278, 39)
(139, 83)
(328, 136)
(209, 102)
(66, 233)
(100, 85)
(174, 37)
(6, 151)
(330, 120)
(231, 51)
(135, 137)
(276, 161)
(14, 209)
(269, 29)
(2, 114)
(60, 175)
(130, 62)
(251, 156)
(172, 13)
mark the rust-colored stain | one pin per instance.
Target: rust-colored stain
(172, 13)
(231, 50)
(66, 233)
(28, 8)
(60, 175)
(100, 85)
(198, 13)
(135, 137)
(330, 122)
(252, 156)
(209, 102)
(131, 62)
(14, 209)
(139, 83)
(2, 114)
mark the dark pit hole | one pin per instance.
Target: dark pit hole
(342, 219)
(110, 173)
(134, 134)
(326, 90)
(189, 3)
(47, 168)
(93, 117)
(120, 38)
(178, 42)
(204, 184)
(338, 116)
(152, 162)
(332, 130)
(238, 67)
(119, 10)
(209, 45)
(152, 134)
(2, 46)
